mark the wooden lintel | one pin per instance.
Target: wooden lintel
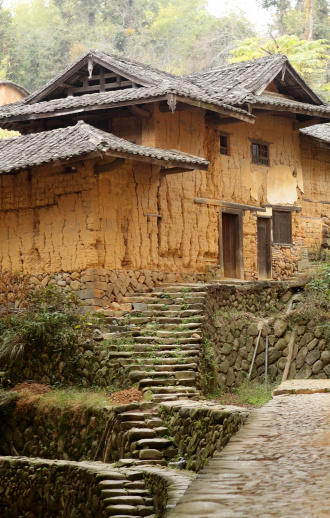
(310, 122)
(292, 109)
(151, 160)
(284, 208)
(219, 109)
(229, 204)
(228, 120)
(152, 215)
(176, 170)
(109, 166)
(77, 159)
(139, 112)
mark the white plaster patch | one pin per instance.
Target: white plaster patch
(281, 186)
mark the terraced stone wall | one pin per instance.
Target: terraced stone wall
(37, 488)
(234, 316)
(52, 432)
(200, 429)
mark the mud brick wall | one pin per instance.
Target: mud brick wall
(56, 221)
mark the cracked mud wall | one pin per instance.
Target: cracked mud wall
(47, 220)
(54, 221)
(316, 198)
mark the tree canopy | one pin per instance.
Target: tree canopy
(39, 38)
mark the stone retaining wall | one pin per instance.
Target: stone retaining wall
(40, 430)
(98, 287)
(200, 429)
(234, 316)
(35, 488)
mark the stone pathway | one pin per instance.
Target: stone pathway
(278, 464)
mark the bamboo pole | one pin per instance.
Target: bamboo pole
(254, 355)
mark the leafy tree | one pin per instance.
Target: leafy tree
(309, 58)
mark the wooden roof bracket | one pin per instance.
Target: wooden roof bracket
(175, 170)
(171, 101)
(90, 65)
(139, 112)
(110, 166)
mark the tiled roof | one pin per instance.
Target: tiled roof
(237, 83)
(64, 143)
(147, 75)
(319, 131)
(107, 98)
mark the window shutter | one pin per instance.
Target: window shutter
(282, 227)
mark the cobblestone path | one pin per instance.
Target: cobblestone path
(278, 465)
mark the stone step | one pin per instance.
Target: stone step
(161, 374)
(188, 354)
(175, 307)
(159, 443)
(164, 382)
(178, 320)
(178, 333)
(112, 484)
(159, 398)
(128, 500)
(183, 288)
(176, 327)
(184, 313)
(175, 298)
(161, 341)
(172, 390)
(122, 510)
(169, 367)
(179, 291)
(134, 416)
(134, 434)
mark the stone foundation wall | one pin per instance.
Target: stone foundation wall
(98, 287)
(37, 488)
(46, 431)
(234, 316)
(200, 429)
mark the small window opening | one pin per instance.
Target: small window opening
(260, 153)
(224, 148)
(282, 227)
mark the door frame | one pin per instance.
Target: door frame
(239, 251)
(270, 220)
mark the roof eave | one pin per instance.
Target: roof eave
(225, 109)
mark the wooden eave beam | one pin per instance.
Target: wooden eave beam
(157, 161)
(77, 159)
(139, 112)
(215, 108)
(175, 170)
(228, 204)
(310, 122)
(110, 166)
(298, 111)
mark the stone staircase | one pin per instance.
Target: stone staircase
(126, 495)
(159, 341)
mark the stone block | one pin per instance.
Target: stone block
(312, 357)
(86, 294)
(280, 327)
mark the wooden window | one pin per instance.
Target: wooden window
(282, 227)
(224, 145)
(260, 153)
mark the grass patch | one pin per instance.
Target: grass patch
(249, 394)
(75, 398)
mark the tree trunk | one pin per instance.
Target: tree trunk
(309, 4)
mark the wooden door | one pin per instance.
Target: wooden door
(230, 245)
(264, 249)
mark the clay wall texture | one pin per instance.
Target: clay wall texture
(54, 221)
(9, 94)
(316, 196)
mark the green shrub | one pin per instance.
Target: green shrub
(51, 322)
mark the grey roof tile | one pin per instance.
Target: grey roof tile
(39, 148)
(104, 98)
(319, 131)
